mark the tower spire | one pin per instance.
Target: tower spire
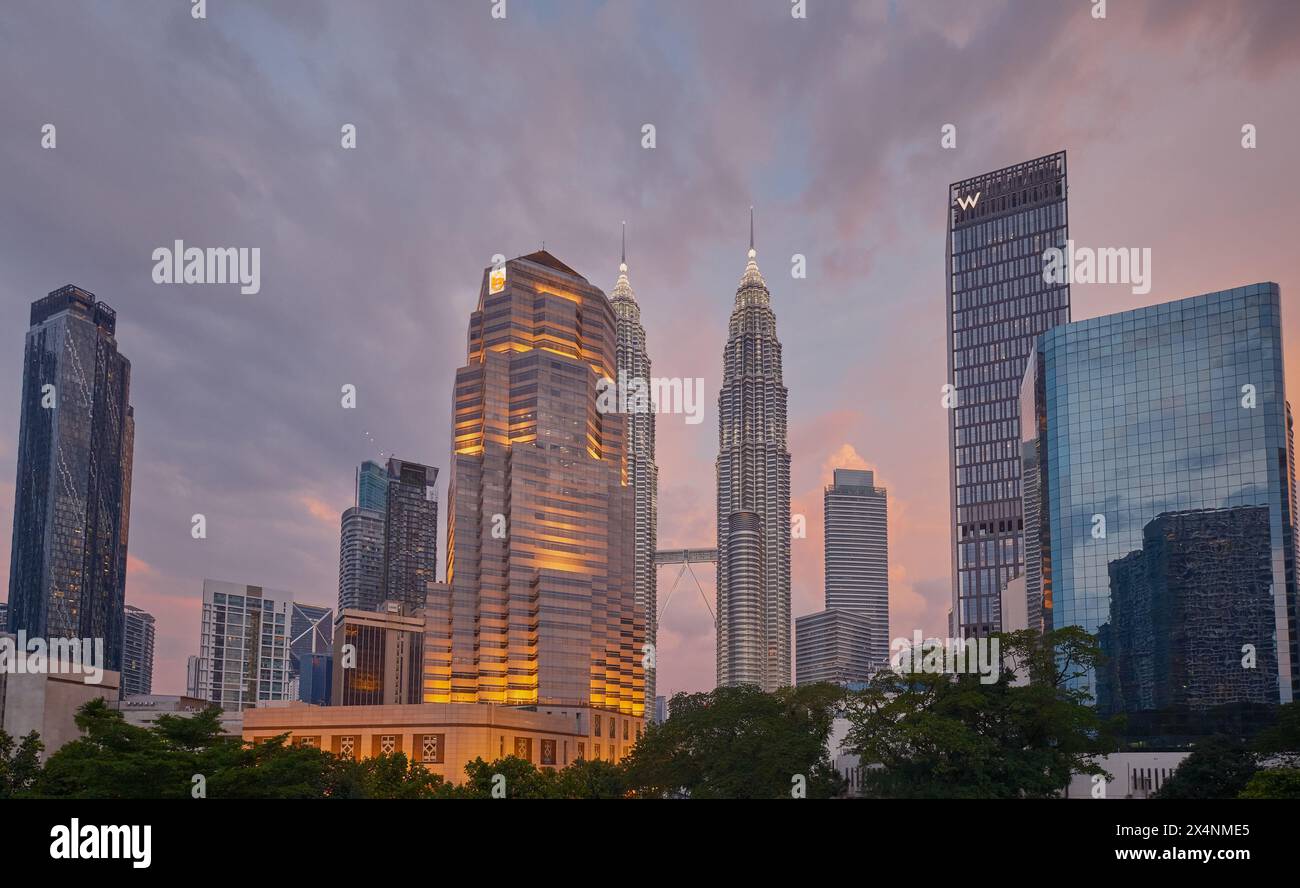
(751, 231)
(623, 259)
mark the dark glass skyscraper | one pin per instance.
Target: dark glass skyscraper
(67, 569)
(410, 533)
(753, 476)
(1134, 423)
(1181, 609)
(999, 225)
(137, 651)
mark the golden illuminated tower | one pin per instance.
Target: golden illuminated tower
(539, 605)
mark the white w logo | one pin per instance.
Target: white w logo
(967, 203)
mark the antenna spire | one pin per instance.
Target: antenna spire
(623, 259)
(751, 232)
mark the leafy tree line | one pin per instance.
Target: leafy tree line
(731, 743)
(1225, 768)
(918, 735)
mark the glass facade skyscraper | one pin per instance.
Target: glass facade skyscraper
(72, 498)
(410, 533)
(1159, 494)
(753, 476)
(372, 486)
(999, 225)
(539, 605)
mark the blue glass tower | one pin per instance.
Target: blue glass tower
(1133, 425)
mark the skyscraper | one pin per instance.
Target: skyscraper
(642, 474)
(67, 568)
(541, 604)
(385, 663)
(372, 486)
(311, 631)
(137, 652)
(361, 541)
(834, 646)
(1181, 609)
(857, 553)
(1141, 420)
(410, 532)
(753, 475)
(243, 645)
(999, 225)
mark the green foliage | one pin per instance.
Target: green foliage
(1217, 769)
(739, 742)
(1273, 783)
(20, 764)
(1283, 737)
(928, 735)
(117, 760)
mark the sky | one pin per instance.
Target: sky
(479, 135)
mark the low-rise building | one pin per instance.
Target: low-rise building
(445, 737)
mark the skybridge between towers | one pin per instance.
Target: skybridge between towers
(686, 557)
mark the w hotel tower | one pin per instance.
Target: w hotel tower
(540, 605)
(999, 225)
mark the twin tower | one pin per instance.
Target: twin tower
(550, 594)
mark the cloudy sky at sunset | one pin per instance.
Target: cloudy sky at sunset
(479, 136)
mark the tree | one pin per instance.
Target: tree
(1281, 741)
(934, 735)
(592, 779)
(1219, 768)
(19, 765)
(1273, 783)
(739, 742)
(515, 777)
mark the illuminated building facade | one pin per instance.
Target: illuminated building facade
(999, 225)
(753, 477)
(642, 474)
(443, 737)
(539, 606)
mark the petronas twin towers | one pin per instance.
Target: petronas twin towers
(753, 486)
(753, 475)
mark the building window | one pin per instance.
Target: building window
(387, 744)
(582, 750)
(348, 747)
(548, 752)
(310, 742)
(431, 748)
(524, 748)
